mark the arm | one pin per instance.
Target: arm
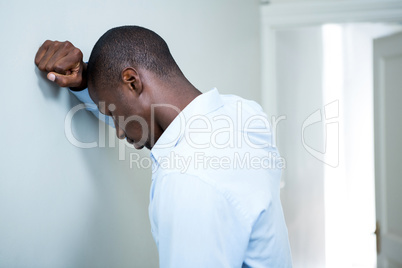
(84, 97)
(64, 65)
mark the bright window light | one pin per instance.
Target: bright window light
(348, 188)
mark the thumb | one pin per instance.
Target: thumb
(51, 77)
(61, 80)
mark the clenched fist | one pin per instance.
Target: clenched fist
(64, 64)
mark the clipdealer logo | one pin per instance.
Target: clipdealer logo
(201, 160)
(329, 115)
(330, 155)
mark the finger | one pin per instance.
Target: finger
(69, 63)
(46, 57)
(63, 52)
(59, 55)
(64, 80)
(41, 51)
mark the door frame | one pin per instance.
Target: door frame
(279, 16)
(282, 16)
(388, 243)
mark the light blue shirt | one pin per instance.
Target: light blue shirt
(214, 198)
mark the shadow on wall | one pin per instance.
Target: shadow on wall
(116, 231)
(49, 89)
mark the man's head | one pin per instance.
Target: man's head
(129, 46)
(125, 67)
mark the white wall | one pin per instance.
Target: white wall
(329, 209)
(308, 1)
(61, 206)
(299, 84)
(349, 189)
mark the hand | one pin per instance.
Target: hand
(64, 64)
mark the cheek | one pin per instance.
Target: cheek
(137, 128)
(138, 125)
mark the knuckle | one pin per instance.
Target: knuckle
(65, 82)
(77, 52)
(62, 83)
(59, 68)
(67, 44)
(48, 68)
(41, 67)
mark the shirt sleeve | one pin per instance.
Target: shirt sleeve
(84, 97)
(197, 226)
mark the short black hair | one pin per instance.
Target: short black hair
(129, 46)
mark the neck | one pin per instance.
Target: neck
(175, 97)
(169, 98)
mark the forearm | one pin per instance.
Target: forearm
(84, 97)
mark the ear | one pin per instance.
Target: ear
(132, 79)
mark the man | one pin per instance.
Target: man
(214, 198)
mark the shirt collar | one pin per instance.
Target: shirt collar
(173, 134)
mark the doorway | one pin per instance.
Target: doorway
(328, 196)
